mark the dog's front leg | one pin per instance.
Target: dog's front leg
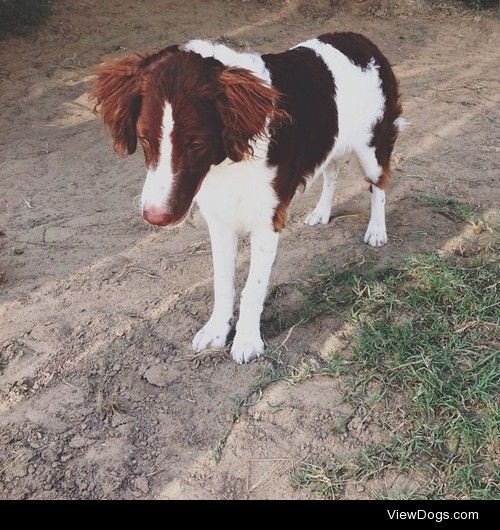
(224, 244)
(248, 343)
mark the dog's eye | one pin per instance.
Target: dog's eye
(196, 144)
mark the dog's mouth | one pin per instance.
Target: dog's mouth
(158, 217)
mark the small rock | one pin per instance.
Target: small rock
(356, 424)
(50, 454)
(158, 375)
(108, 486)
(119, 419)
(141, 483)
(339, 426)
(116, 367)
(77, 442)
(19, 467)
(17, 251)
(125, 429)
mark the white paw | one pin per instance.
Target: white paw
(318, 215)
(247, 347)
(211, 335)
(376, 236)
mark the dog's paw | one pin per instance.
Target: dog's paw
(319, 215)
(211, 335)
(247, 347)
(375, 236)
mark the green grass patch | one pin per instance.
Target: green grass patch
(482, 4)
(18, 17)
(457, 211)
(216, 453)
(3, 365)
(426, 331)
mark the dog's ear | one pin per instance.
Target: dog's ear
(117, 91)
(244, 103)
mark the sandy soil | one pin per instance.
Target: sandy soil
(100, 396)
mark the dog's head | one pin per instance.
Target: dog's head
(188, 112)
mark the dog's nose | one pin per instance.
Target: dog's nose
(155, 216)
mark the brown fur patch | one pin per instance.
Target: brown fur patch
(385, 179)
(244, 107)
(280, 216)
(300, 144)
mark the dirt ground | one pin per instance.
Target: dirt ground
(100, 395)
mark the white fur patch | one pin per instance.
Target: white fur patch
(228, 57)
(158, 184)
(240, 195)
(359, 97)
(376, 235)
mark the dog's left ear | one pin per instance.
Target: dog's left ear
(244, 103)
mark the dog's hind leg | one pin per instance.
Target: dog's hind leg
(322, 212)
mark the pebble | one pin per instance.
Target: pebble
(77, 442)
(158, 375)
(49, 454)
(141, 483)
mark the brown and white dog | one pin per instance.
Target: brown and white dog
(237, 133)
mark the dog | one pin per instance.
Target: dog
(238, 133)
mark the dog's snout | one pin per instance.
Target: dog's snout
(156, 216)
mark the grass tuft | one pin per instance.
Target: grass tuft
(328, 481)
